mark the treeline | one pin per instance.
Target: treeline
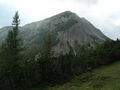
(17, 73)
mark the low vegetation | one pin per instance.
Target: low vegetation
(103, 78)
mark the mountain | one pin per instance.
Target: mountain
(68, 31)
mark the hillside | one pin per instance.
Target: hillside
(104, 78)
(67, 29)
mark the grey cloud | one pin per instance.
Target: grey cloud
(80, 1)
(88, 1)
(115, 15)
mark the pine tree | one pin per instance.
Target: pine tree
(13, 42)
(10, 55)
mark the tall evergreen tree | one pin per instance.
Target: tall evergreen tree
(10, 55)
(45, 61)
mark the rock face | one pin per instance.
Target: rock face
(67, 29)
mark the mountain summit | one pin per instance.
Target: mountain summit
(68, 31)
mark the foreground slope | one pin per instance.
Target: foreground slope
(104, 78)
(68, 31)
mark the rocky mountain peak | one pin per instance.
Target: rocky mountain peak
(68, 31)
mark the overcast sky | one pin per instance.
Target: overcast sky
(104, 14)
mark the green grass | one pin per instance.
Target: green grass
(104, 78)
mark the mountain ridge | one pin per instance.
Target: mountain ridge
(66, 28)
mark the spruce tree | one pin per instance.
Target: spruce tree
(10, 55)
(13, 41)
